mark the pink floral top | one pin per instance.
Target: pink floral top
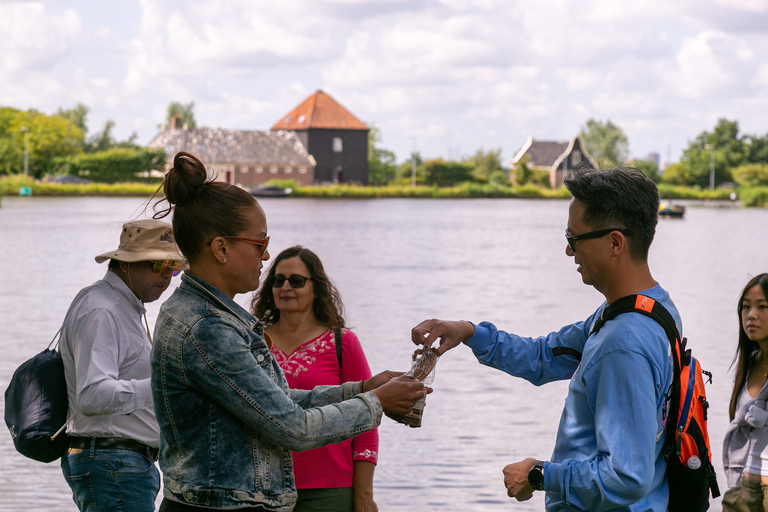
(313, 364)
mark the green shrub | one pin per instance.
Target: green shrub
(755, 196)
(283, 183)
(10, 186)
(114, 165)
(751, 175)
(442, 173)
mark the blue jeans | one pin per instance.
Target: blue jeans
(111, 480)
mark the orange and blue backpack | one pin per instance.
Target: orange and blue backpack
(690, 471)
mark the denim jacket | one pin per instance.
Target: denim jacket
(228, 421)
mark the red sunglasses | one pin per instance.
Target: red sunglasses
(263, 243)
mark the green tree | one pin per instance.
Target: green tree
(605, 142)
(485, 163)
(649, 168)
(405, 169)
(730, 151)
(47, 137)
(441, 173)
(751, 175)
(758, 148)
(77, 115)
(499, 178)
(186, 115)
(103, 140)
(11, 144)
(522, 174)
(381, 162)
(677, 174)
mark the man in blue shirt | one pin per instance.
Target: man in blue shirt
(609, 449)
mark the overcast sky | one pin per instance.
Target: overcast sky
(445, 77)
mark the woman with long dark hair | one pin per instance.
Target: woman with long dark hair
(304, 316)
(745, 449)
(228, 419)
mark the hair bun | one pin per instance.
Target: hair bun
(185, 180)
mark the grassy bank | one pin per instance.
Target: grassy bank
(10, 185)
(755, 196)
(463, 190)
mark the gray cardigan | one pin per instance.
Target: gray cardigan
(752, 415)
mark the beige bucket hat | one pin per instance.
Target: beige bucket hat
(144, 240)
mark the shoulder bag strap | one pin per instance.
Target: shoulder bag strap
(337, 334)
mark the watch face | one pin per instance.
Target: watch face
(536, 477)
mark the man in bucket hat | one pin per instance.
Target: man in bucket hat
(105, 347)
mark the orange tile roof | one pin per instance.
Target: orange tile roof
(319, 111)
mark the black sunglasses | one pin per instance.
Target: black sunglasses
(593, 234)
(295, 280)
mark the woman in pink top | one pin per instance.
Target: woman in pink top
(303, 313)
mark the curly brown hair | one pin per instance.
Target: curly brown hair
(327, 306)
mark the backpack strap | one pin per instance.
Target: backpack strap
(566, 351)
(680, 357)
(337, 334)
(629, 304)
(640, 304)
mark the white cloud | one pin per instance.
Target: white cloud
(33, 39)
(457, 74)
(714, 63)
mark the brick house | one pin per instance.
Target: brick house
(317, 142)
(333, 136)
(242, 157)
(556, 157)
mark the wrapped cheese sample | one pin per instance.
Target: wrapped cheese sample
(423, 365)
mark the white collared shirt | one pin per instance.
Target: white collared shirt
(106, 351)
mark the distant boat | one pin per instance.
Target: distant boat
(271, 191)
(671, 210)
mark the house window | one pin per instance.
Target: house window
(273, 170)
(576, 157)
(338, 146)
(302, 170)
(243, 168)
(228, 168)
(259, 169)
(288, 170)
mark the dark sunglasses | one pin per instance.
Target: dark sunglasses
(295, 280)
(159, 266)
(263, 243)
(593, 234)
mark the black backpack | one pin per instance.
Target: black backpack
(690, 471)
(36, 406)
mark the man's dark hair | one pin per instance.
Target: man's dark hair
(620, 197)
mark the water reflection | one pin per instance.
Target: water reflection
(397, 262)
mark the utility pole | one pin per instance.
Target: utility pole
(413, 164)
(711, 166)
(26, 150)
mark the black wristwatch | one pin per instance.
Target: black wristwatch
(536, 476)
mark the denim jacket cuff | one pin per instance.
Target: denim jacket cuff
(351, 389)
(375, 405)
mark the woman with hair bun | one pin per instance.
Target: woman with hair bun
(228, 419)
(304, 316)
(745, 449)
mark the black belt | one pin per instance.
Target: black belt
(114, 443)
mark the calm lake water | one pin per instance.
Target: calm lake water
(396, 263)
